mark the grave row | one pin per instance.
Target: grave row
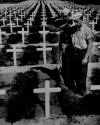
(43, 45)
(25, 16)
(25, 13)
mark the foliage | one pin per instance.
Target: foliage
(22, 100)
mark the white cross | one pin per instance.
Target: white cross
(10, 16)
(28, 25)
(93, 25)
(1, 33)
(44, 49)
(84, 19)
(15, 13)
(17, 19)
(95, 87)
(11, 26)
(23, 34)
(2, 91)
(14, 51)
(96, 18)
(21, 15)
(32, 16)
(5, 13)
(31, 19)
(3, 19)
(47, 90)
(88, 15)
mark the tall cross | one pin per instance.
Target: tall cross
(14, 51)
(47, 90)
(1, 33)
(44, 49)
(23, 34)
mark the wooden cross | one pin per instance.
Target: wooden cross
(1, 33)
(14, 51)
(23, 34)
(47, 90)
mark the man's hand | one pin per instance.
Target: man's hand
(85, 60)
(64, 88)
(64, 47)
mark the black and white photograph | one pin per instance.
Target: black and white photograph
(49, 62)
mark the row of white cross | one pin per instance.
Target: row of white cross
(44, 32)
(47, 90)
(16, 48)
(28, 24)
(44, 48)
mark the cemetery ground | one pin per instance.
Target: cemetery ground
(73, 111)
(65, 108)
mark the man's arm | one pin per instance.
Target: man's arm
(85, 59)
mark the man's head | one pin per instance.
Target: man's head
(76, 19)
(66, 12)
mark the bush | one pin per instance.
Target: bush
(22, 100)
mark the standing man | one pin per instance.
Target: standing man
(82, 44)
(66, 48)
